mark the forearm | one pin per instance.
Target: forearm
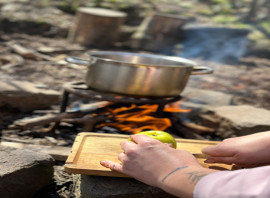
(181, 181)
(246, 183)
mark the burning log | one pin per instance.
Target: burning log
(120, 118)
(135, 119)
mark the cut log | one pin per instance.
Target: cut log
(96, 27)
(158, 32)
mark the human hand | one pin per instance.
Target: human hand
(245, 151)
(157, 164)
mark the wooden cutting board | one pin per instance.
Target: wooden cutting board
(90, 148)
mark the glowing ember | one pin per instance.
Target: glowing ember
(135, 119)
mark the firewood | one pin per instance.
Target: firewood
(199, 129)
(40, 121)
(185, 132)
(17, 140)
(12, 61)
(54, 118)
(28, 53)
(89, 122)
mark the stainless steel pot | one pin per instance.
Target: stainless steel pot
(138, 75)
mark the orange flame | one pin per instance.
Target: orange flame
(139, 118)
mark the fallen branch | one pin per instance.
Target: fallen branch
(49, 118)
(89, 122)
(28, 53)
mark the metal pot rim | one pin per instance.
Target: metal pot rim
(183, 63)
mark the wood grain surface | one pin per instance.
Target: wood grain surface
(90, 148)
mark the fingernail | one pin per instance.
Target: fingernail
(209, 161)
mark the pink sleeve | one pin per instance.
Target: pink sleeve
(247, 183)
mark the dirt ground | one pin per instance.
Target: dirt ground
(248, 80)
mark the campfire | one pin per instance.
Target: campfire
(118, 114)
(134, 119)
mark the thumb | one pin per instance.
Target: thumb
(169, 144)
(210, 150)
(218, 151)
(224, 160)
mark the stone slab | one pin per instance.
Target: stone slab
(205, 97)
(23, 172)
(237, 120)
(114, 187)
(26, 96)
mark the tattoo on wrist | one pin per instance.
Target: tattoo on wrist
(195, 176)
(175, 170)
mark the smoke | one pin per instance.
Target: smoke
(224, 45)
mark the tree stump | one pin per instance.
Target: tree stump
(96, 27)
(157, 32)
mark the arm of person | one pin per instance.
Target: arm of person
(182, 181)
(246, 151)
(246, 183)
(148, 160)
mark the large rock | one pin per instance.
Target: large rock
(25, 96)
(204, 97)
(23, 172)
(113, 187)
(199, 99)
(236, 120)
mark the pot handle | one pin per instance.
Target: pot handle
(198, 70)
(77, 60)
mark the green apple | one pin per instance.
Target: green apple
(161, 136)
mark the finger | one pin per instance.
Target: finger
(127, 144)
(224, 160)
(121, 156)
(217, 151)
(142, 138)
(112, 165)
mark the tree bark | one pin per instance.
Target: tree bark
(253, 10)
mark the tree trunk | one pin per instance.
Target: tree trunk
(253, 10)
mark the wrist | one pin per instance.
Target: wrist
(187, 176)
